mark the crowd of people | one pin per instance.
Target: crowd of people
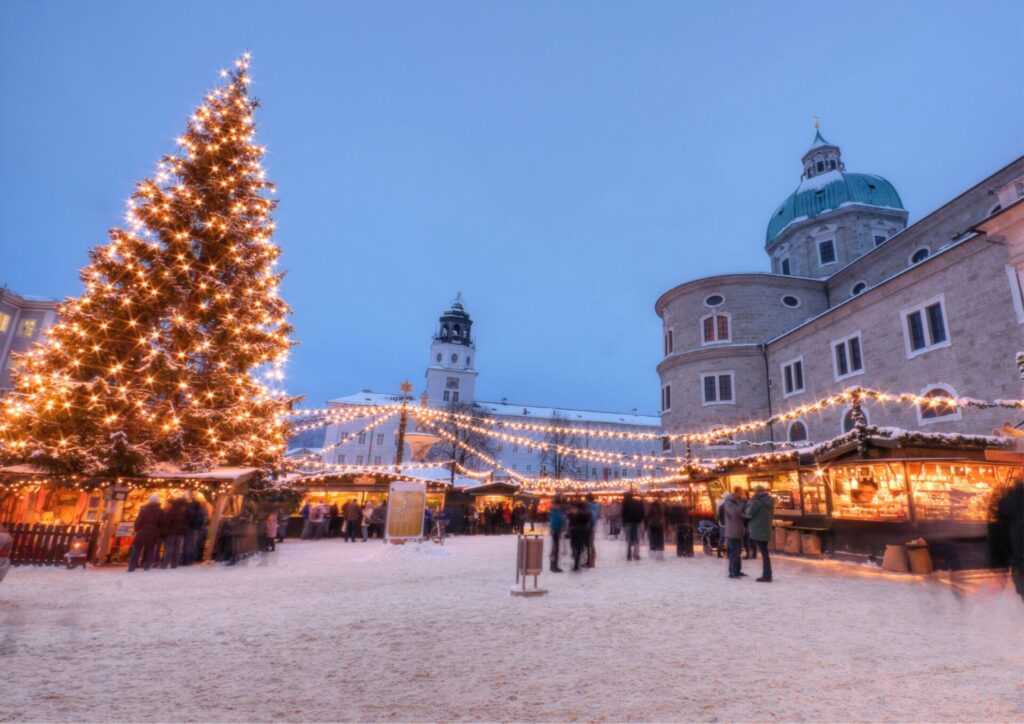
(169, 535)
(580, 519)
(350, 521)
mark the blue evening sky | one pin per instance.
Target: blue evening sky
(560, 163)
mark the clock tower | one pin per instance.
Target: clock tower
(451, 376)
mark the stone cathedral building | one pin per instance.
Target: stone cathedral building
(855, 297)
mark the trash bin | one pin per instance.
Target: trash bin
(895, 559)
(529, 562)
(920, 558)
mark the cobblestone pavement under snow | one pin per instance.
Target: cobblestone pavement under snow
(366, 632)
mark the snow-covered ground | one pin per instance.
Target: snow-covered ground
(339, 631)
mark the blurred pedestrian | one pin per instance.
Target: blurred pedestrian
(353, 520)
(307, 525)
(749, 547)
(655, 521)
(579, 531)
(175, 523)
(556, 522)
(759, 512)
(595, 520)
(735, 528)
(148, 524)
(632, 516)
(270, 533)
(1010, 519)
(316, 520)
(367, 520)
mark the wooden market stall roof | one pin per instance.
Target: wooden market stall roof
(156, 477)
(499, 488)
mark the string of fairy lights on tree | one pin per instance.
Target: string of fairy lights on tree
(175, 351)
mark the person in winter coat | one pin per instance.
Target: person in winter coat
(579, 531)
(307, 526)
(353, 520)
(175, 527)
(632, 516)
(316, 519)
(655, 521)
(556, 523)
(270, 531)
(380, 519)
(148, 524)
(367, 520)
(1010, 519)
(735, 528)
(595, 520)
(759, 513)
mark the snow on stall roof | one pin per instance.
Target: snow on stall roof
(159, 472)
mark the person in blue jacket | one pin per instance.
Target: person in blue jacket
(556, 524)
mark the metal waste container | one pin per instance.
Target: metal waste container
(529, 562)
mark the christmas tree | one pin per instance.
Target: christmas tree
(170, 355)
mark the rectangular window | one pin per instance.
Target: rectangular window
(668, 342)
(925, 327)
(515, 447)
(376, 459)
(785, 266)
(451, 383)
(715, 328)
(359, 459)
(1016, 291)
(341, 460)
(666, 398)
(380, 438)
(455, 396)
(717, 388)
(826, 252)
(879, 239)
(846, 356)
(27, 327)
(793, 377)
(362, 438)
(5, 322)
(447, 396)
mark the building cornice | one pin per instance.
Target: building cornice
(760, 279)
(724, 351)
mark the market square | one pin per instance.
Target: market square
(442, 362)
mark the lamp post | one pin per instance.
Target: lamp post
(406, 388)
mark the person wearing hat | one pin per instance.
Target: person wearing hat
(759, 513)
(148, 526)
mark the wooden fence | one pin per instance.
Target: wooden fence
(39, 544)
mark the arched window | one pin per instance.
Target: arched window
(444, 332)
(937, 407)
(849, 423)
(858, 288)
(797, 431)
(715, 327)
(920, 255)
(457, 330)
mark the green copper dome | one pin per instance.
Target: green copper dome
(827, 186)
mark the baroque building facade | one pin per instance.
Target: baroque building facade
(855, 297)
(451, 384)
(23, 322)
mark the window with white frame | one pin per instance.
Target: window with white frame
(341, 460)
(797, 431)
(1012, 274)
(359, 459)
(826, 252)
(715, 327)
(793, 377)
(846, 357)
(666, 398)
(717, 388)
(939, 405)
(924, 326)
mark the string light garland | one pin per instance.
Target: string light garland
(310, 458)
